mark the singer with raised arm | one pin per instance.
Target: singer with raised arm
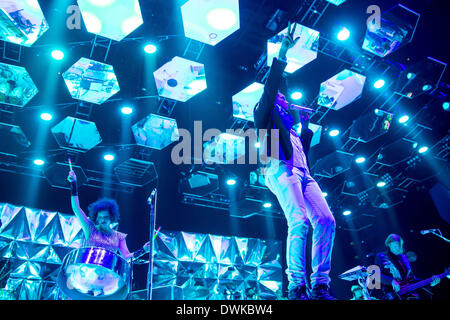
(396, 272)
(97, 227)
(297, 192)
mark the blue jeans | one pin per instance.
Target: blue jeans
(303, 204)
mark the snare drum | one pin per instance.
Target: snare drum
(93, 273)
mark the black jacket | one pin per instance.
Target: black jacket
(267, 117)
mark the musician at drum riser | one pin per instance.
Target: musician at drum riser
(297, 192)
(396, 270)
(97, 229)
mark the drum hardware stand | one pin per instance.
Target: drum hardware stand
(152, 202)
(439, 234)
(359, 274)
(362, 281)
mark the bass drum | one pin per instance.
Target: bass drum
(93, 273)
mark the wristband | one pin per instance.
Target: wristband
(74, 188)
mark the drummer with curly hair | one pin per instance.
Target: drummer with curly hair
(97, 228)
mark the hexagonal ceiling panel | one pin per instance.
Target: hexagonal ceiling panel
(12, 139)
(16, 86)
(76, 134)
(97, 16)
(136, 172)
(397, 28)
(21, 21)
(304, 51)
(333, 164)
(56, 175)
(210, 21)
(91, 81)
(245, 101)
(224, 149)
(155, 131)
(341, 90)
(315, 128)
(336, 2)
(180, 79)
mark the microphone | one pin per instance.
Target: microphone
(428, 231)
(301, 108)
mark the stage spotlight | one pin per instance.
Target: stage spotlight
(423, 149)
(324, 194)
(347, 213)
(381, 184)
(297, 95)
(343, 35)
(446, 106)
(257, 144)
(39, 162)
(231, 182)
(57, 54)
(108, 157)
(410, 76)
(150, 48)
(46, 116)
(334, 133)
(360, 159)
(126, 110)
(403, 119)
(267, 205)
(427, 87)
(221, 19)
(379, 84)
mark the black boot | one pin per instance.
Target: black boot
(321, 292)
(298, 293)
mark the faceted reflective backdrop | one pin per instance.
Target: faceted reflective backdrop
(34, 242)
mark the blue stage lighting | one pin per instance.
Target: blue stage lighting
(108, 157)
(150, 48)
(343, 35)
(423, 149)
(334, 133)
(231, 182)
(403, 119)
(57, 54)
(46, 116)
(379, 84)
(297, 95)
(347, 213)
(126, 110)
(39, 162)
(360, 159)
(381, 184)
(267, 205)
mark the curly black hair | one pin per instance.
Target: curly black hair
(109, 205)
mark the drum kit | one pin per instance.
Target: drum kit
(93, 273)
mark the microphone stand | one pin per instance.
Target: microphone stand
(440, 235)
(154, 195)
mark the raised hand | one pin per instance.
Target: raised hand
(288, 41)
(436, 281)
(72, 176)
(395, 286)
